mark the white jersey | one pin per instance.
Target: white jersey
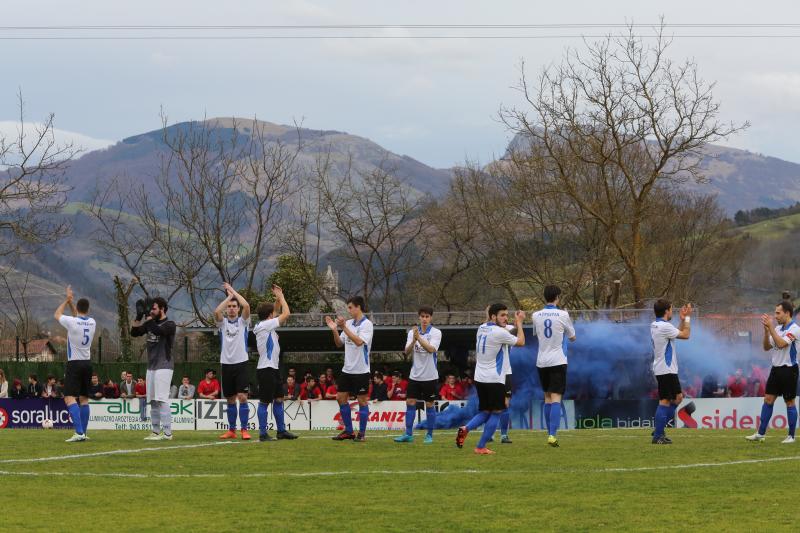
(356, 358)
(267, 341)
(234, 341)
(80, 332)
(507, 360)
(786, 356)
(491, 353)
(424, 365)
(665, 357)
(553, 327)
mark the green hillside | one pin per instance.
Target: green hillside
(772, 229)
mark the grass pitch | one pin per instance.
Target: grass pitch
(596, 480)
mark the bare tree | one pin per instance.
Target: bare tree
(32, 187)
(15, 285)
(376, 222)
(611, 123)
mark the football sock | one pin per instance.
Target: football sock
(547, 408)
(791, 413)
(766, 414)
(277, 412)
(155, 417)
(166, 417)
(478, 420)
(505, 418)
(430, 413)
(411, 414)
(244, 414)
(662, 413)
(262, 417)
(232, 416)
(347, 417)
(363, 418)
(85, 412)
(75, 412)
(489, 429)
(555, 417)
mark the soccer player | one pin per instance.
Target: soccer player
(233, 358)
(78, 372)
(423, 341)
(553, 327)
(356, 337)
(491, 350)
(270, 388)
(665, 363)
(783, 341)
(160, 332)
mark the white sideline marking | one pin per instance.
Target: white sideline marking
(113, 452)
(700, 465)
(385, 472)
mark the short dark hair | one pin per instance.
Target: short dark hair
(551, 292)
(787, 307)
(377, 375)
(357, 301)
(265, 309)
(185, 376)
(161, 303)
(661, 307)
(496, 308)
(425, 310)
(82, 305)
(33, 377)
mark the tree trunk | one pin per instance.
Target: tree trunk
(121, 294)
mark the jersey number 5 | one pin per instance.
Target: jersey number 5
(85, 336)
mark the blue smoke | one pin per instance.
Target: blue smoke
(609, 360)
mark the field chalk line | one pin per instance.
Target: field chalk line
(384, 472)
(114, 452)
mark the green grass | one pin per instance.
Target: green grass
(772, 229)
(381, 485)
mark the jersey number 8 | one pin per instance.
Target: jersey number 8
(548, 328)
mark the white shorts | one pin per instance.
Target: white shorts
(158, 384)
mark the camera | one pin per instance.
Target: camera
(143, 307)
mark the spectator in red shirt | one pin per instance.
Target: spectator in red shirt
(330, 392)
(737, 385)
(310, 390)
(329, 376)
(110, 389)
(757, 384)
(449, 390)
(396, 387)
(291, 391)
(209, 388)
(465, 387)
(322, 383)
(141, 393)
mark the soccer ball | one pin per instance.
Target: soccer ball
(47, 423)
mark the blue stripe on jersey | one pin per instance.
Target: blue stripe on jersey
(270, 346)
(69, 350)
(366, 354)
(668, 353)
(793, 353)
(498, 361)
(245, 338)
(435, 359)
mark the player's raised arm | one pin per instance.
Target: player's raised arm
(684, 327)
(218, 312)
(413, 337)
(771, 335)
(335, 330)
(428, 346)
(67, 301)
(243, 303)
(281, 304)
(519, 319)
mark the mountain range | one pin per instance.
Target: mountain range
(740, 179)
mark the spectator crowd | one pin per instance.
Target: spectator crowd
(385, 385)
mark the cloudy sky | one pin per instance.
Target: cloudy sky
(433, 99)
